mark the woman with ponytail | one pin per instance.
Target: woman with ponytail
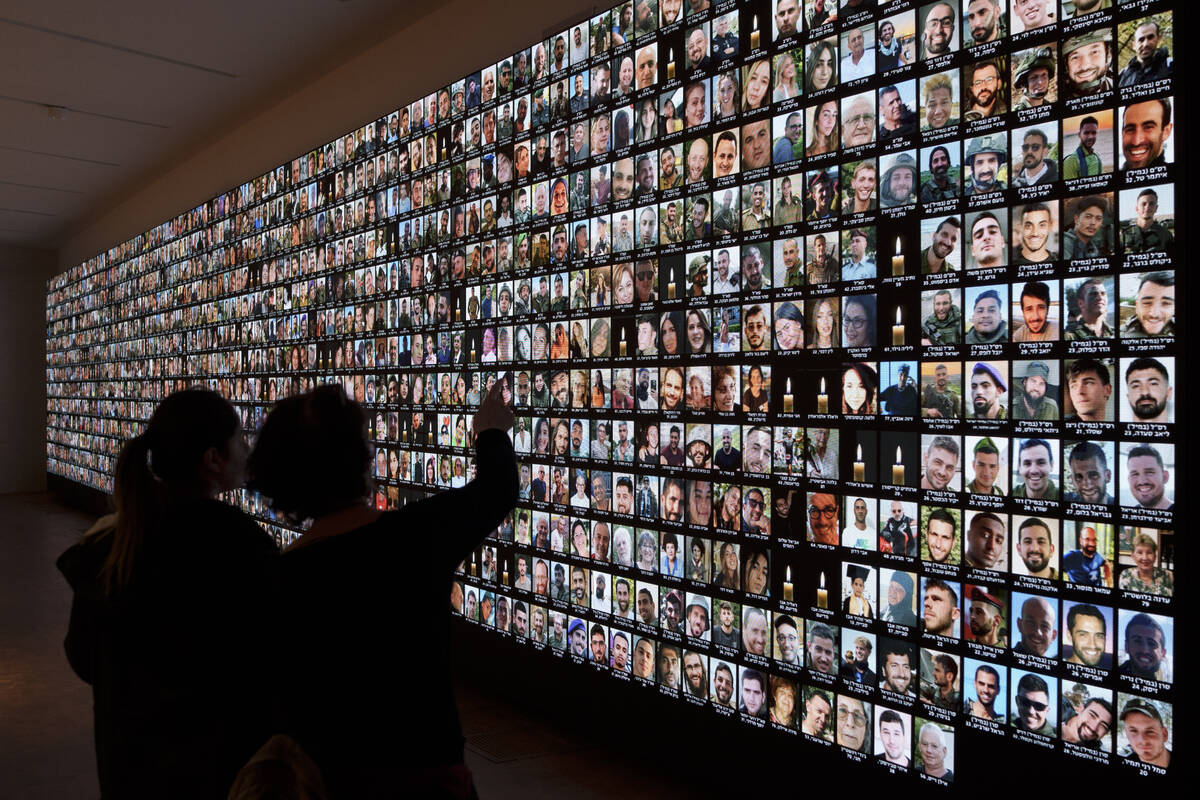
(172, 610)
(366, 656)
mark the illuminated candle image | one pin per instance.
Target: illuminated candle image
(621, 345)
(789, 400)
(822, 400)
(671, 290)
(474, 566)
(754, 34)
(898, 330)
(671, 64)
(898, 470)
(504, 580)
(898, 260)
(822, 594)
(458, 314)
(860, 468)
(788, 589)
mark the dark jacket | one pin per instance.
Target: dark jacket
(367, 680)
(177, 660)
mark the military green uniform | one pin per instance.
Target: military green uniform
(1078, 331)
(1133, 329)
(945, 403)
(932, 193)
(946, 331)
(995, 492)
(788, 213)
(1047, 409)
(1154, 237)
(1051, 491)
(794, 275)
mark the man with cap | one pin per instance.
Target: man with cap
(1035, 167)
(896, 119)
(820, 197)
(900, 603)
(699, 449)
(985, 91)
(938, 401)
(577, 636)
(697, 618)
(858, 670)
(856, 603)
(1087, 62)
(900, 399)
(985, 463)
(859, 266)
(899, 182)
(1150, 62)
(1145, 732)
(697, 275)
(987, 392)
(988, 325)
(1030, 400)
(939, 187)
(984, 156)
(1033, 77)
(986, 618)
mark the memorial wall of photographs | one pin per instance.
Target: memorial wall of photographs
(843, 340)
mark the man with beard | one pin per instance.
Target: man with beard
(722, 685)
(695, 682)
(1035, 169)
(1088, 726)
(940, 533)
(939, 611)
(1091, 322)
(1035, 465)
(1085, 161)
(672, 612)
(898, 120)
(1145, 234)
(1038, 625)
(900, 399)
(787, 637)
(1087, 567)
(1036, 226)
(987, 389)
(1035, 306)
(987, 322)
(898, 183)
(820, 198)
(1030, 401)
(984, 156)
(938, 400)
(986, 619)
(889, 54)
(668, 665)
(821, 654)
(937, 689)
(938, 187)
(858, 670)
(727, 633)
(933, 262)
(1148, 390)
(897, 668)
(645, 608)
(939, 31)
(1145, 127)
(941, 464)
(538, 630)
(898, 534)
(1035, 546)
(599, 644)
(1033, 76)
(697, 618)
(1089, 469)
(985, 20)
(1146, 645)
(577, 637)
(1150, 62)
(985, 91)
(753, 694)
(1033, 706)
(1087, 61)
(1148, 478)
(669, 176)
(987, 689)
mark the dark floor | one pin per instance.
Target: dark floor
(45, 711)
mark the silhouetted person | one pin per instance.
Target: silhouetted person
(175, 598)
(366, 656)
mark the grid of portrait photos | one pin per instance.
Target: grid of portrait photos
(842, 339)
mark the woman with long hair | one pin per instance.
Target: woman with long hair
(820, 66)
(823, 129)
(787, 84)
(859, 384)
(757, 83)
(176, 595)
(349, 690)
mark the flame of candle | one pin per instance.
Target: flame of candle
(898, 315)
(859, 453)
(822, 580)
(754, 25)
(822, 386)
(671, 54)
(897, 245)
(897, 454)
(788, 388)
(788, 579)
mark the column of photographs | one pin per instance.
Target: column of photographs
(686, 229)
